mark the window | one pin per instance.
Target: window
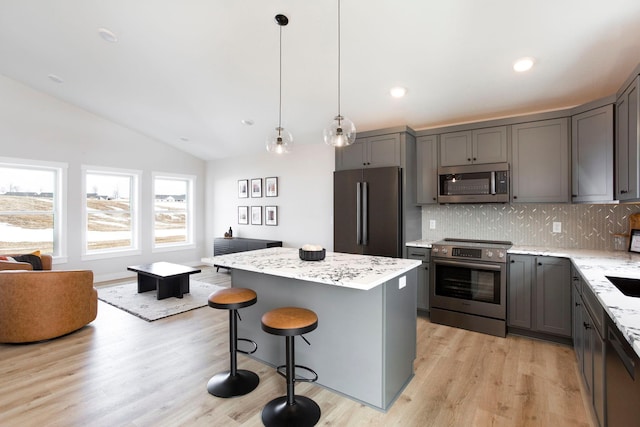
(31, 206)
(173, 210)
(111, 211)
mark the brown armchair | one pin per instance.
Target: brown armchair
(39, 305)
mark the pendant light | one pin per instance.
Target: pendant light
(280, 141)
(342, 131)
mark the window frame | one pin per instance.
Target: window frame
(190, 212)
(59, 211)
(135, 208)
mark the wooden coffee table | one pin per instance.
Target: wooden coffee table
(170, 280)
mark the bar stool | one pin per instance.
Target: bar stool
(291, 410)
(235, 382)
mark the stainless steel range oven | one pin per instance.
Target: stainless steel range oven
(468, 285)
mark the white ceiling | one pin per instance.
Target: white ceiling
(195, 68)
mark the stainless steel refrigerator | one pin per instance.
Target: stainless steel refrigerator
(367, 211)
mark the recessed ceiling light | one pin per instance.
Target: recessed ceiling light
(247, 122)
(107, 35)
(523, 64)
(398, 92)
(55, 79)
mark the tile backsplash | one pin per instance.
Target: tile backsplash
(583, 226)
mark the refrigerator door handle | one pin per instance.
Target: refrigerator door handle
(358, 212)
(365, 213)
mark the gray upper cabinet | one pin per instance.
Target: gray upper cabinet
(592, 155)
(475, 146)
(427, 169)
(370, 152)
(540, 161)
(627, 143)
(455, 148)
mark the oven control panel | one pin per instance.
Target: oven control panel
(470, 253)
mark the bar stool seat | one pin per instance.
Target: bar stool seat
(292, 409)
(234, 382)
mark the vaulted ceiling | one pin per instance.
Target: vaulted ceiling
(189, 72)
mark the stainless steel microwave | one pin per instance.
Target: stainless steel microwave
(482, 183)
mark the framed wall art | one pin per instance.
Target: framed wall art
(271, 215)
(271, 186)
(256, 187)
(243, 188)
(243, 214)
(256, 215)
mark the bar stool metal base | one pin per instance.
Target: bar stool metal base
(304, 412)
(224, 384)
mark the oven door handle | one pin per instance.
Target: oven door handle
(464, 264)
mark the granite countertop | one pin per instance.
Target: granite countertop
(362, 272)
(593, 266)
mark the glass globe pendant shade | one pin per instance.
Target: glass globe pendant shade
(341, 133)
(280, 141)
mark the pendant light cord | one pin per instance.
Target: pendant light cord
(280, 98)
(338, 59)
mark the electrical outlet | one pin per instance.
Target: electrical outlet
(432, 224)
(402, 282)
(557, 227)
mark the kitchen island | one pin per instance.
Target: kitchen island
(365, 343)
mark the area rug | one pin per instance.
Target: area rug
(147, 307)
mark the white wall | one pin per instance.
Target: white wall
(37, 126)
(305, 196)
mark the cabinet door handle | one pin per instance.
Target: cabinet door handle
(623, 191)
(468, 159)
(586, 325)
(474, 159)
(577, 304)
(515, 197)
(513, 261)
(539, 263)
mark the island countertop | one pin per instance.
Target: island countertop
(362, 272)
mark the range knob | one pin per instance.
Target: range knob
(500, 254)
(435, 249)
(489, 254)
(444, 250)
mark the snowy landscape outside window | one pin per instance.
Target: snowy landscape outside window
(31, 216)
(110, 211)
(173, 212)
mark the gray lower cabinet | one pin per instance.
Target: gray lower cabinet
(592, 155)
(424, 255)
(520, 290)
(539, 295)
(540, 161)
(427, 169)
(589, 326)
(628, 143)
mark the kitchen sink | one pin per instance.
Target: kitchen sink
(629, 287)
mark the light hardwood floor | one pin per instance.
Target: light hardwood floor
(124, 371)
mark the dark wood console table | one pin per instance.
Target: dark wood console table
(223, 245)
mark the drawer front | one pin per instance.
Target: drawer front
(595, 309)
(418, 253)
